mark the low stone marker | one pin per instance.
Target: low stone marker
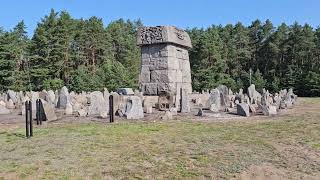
(4, 110)
(68, 110)
(269, 110)
(243, 109)
(167, 116)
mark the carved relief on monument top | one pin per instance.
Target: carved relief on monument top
(163, 34)
(180, 33)
(151, 35)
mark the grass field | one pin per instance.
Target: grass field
(286, 146)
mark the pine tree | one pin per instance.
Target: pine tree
(13, 57)
(42, 49)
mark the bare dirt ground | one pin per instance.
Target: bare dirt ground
(217, 146)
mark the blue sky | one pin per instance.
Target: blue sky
(181, 13)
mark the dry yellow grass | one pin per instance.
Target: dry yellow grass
(286, 146)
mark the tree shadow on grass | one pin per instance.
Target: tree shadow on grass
(8, 134)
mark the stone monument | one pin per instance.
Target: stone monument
(165, 65)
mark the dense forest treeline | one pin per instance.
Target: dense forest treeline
(85, 55)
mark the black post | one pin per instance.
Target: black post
(180, 99)
(40, 111)
(27, 117)
(37, 111)
(30, 118)
(111, 109)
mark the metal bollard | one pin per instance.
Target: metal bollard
(111, 113)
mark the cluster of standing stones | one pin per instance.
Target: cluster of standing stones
(165, 88)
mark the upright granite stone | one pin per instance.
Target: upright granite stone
(116, 101)
(214, 102)
(97, 103)
(48, 110)
(224, 93)
(185, 106)
(64, 97)
(68, 110)
(133, 108)
(106, 94)
(251, 92)
(12, 95)
(51, 97)
(165, 62)
(34, 97)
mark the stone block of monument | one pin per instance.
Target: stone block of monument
(165, 65)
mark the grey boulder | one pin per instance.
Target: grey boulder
(243, 109)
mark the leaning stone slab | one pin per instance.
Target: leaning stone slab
(243, 109)
(48, 110)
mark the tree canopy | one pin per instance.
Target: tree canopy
(86, 55)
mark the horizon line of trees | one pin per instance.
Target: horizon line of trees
(85, 55)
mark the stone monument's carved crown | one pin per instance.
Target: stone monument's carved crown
(163, 34)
